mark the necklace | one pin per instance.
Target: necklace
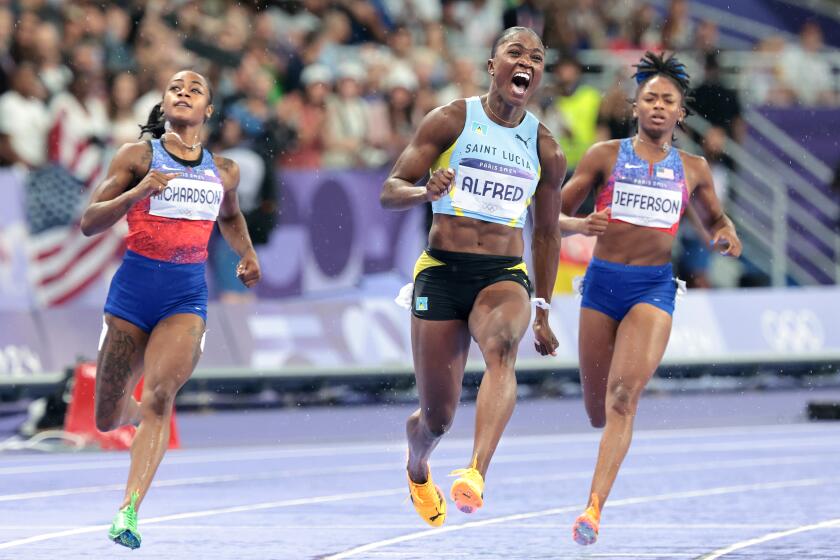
(492, 112)
(664, 147)
(189, 147)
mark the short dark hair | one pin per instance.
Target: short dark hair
(509, 32)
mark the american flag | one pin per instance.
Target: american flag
(63, 263)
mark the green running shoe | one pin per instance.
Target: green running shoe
(124, 528)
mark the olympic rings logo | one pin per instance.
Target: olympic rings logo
(796, 331)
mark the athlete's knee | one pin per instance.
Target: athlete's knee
(623, 397)
(438, 420)
(106, 423)
(598, 419)
(502, 347)
(108, 409)
(158, 399)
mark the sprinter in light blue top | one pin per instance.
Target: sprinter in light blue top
(497, 169)
(491, 164)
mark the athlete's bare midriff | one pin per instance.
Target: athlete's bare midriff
(468, 235)
(627, 243)
(631, 244)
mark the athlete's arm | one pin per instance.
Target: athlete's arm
(128, 181)
(232, 224)
(588, 175)
(545, 244)
(439, 130)
(710, 211)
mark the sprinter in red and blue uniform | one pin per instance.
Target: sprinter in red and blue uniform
(172, 192)
(642, 186)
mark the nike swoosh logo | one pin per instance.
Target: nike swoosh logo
(167, 168)
(628, 166)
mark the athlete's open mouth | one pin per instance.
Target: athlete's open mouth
(521, 81)
(183, 104)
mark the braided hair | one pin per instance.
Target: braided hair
(652, 65)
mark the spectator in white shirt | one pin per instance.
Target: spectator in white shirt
(23, 119)
(805, 71)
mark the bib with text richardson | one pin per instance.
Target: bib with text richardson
(646, 206)
(491, 188)
(188, 199)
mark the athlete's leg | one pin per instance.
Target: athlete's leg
(171, 355)
(499, 318)
(118, 368)
(440, 353)
(639, 345)
(596, 342)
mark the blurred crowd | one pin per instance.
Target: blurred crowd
(344, 83)
(340, 83)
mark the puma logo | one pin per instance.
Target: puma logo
(523, 140)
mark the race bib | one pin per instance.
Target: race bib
(188, 199)
(646, 206)
(492, 189)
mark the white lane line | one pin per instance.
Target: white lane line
(381, 526)
(829, 524)
(413, 536)
(233, 455)
(387, 467)
(641, 555)
(259, 453)
(721, 490)
(207, 513)
(425, 554)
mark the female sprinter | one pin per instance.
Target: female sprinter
(172, 191)
(642, 187)
(489, 158)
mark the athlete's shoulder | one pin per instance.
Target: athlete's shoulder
(691, 159)
(452, 112)
(444, 124)
(136, 148)
(137, 156)
(547, 143)
(552, 159)
(604, 149)
(694, 165)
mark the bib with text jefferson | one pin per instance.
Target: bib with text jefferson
(496, 169)
(645, 194)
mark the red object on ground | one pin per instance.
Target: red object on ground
(80, 414)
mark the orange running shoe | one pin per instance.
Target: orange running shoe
(468, 489)
(428, 500)
(585, 529)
